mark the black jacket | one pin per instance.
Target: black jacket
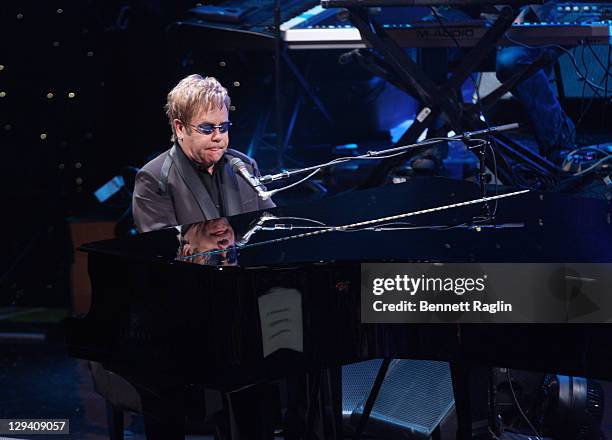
(169, 192)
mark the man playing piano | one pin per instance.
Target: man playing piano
(193, 180)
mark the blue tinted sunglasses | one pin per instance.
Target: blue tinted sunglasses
(206, 128)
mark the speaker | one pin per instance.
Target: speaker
(557, 406)
(572, 407)
(414, 399)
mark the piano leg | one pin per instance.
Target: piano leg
(334, 391)
(250, 413)
(164, 413)
(470, 386)
(114, 418)
(298, 393)
(307, 416)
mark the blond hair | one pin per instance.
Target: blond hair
(192, 94)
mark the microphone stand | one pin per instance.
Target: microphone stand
(481, 151)
(278, 50)
(258, 226)
(467, 136)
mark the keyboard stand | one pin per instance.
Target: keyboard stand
(391, 62)
(285, 131)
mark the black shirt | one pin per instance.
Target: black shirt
(212, 182)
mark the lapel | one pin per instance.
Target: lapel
(194, 183)
(230, 191)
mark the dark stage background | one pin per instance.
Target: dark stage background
(82, 89)
(83, 85)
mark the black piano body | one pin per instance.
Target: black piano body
(153, 312)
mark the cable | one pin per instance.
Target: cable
(439, 19)
(376, 157)
(277, 190)
(607, 99)
(518, 406)
(574, 62)
(393, 217)
(607, 74)
(479, 102)
(343, 159)
(582, 76)
(496, 178)
(587, 148)
(584, 109)
(569, 160)
(595, 165)
(380, 157)
(387, 227)
(541, 176)
(301, 218)
(606, 69)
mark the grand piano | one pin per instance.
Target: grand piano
(190, 302)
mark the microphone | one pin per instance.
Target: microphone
(240, 168)
(496, 129)
(244, 239)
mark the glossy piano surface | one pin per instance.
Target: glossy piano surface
(532, 227)
(153, 306)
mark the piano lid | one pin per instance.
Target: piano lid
(429, 219)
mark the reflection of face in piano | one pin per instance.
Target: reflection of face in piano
(207, 236)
